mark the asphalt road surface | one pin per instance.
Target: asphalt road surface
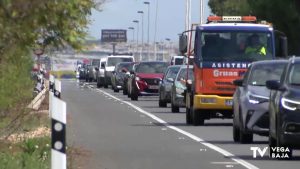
(125, 134)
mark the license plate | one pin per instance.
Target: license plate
(153, 87)
(228, 102)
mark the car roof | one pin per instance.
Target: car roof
(266, 62)
(185, 66)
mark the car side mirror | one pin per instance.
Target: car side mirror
(273, 85)
(170, 79)
(131, 72)
(113, 72)
(238, 82)
(96, 68)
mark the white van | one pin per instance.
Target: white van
(177, 60)
(109, 64)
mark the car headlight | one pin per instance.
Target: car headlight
(137, 78)
(256, 99)
(290, 104)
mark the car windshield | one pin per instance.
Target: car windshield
(235, 46)
(115, 60)
(294, 77)
(262, 73)
(182, 74)
(151, 67)
(172, 72)
(127, 67)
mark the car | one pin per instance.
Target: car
(251, 100)
(93, 70)
(111, 62)
(118, 75)
(166, 84)
(145, 78)
(179, 86)
(86, 72)
(284, 107)
(100, 75)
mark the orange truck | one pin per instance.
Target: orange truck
(224, 48)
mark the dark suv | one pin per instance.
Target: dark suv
(284, 107)
(251, 100)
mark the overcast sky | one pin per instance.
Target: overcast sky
(119, 14)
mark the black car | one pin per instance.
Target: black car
(251, 100)
(119, 74)
(284, 107)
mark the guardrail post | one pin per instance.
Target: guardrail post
(57, 88)
(58, 134)
(51, 83)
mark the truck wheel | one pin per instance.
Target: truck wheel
(245, 137)
(188, 117)
(198, 118)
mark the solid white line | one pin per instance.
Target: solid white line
(196, 138)
(224, 162)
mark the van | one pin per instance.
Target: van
(177, 60)
(108, 66)
(100, 77)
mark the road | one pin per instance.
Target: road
(125, 134)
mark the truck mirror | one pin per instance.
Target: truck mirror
(183, 43)
(283, 46)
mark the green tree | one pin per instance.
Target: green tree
(23, 24)
(284, 15)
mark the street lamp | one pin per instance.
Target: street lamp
(148, 31)
(137, 35)
(132, 28)
(142, 14)
(169, 51)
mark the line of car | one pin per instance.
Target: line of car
(266, 101)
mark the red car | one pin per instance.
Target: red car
(145, 78)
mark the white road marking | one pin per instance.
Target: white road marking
(163, 129)
(224, 162)
(196, 138)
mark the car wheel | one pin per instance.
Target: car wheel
(116, 90)
(245, 137)
(161, 103)
(198, 118)
(236, 133)
(188, 117)
(134, 96)
(124, 91)
(98, 85)
(174, 108)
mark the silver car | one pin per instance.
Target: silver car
(166, 85)
(179, 86)
(251, 100)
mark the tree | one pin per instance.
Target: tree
(23, 24)
(284, 15)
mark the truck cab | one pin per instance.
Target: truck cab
(222, 54)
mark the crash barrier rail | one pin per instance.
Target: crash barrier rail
(37, 101)
(57, 112)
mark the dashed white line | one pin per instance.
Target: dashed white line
(196, 138)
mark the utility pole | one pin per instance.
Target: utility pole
(142, 14)
(148, 31)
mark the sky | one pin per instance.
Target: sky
(119, 14)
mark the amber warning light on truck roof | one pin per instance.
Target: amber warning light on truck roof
(231, 19)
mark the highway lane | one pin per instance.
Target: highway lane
(88, 127)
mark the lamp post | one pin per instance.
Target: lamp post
(142, 14)
(155, 30)
(137, 34)
(132, 28)
(148, 29)
(169, 40)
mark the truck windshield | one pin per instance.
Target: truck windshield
(235, 46)
(115, 60)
